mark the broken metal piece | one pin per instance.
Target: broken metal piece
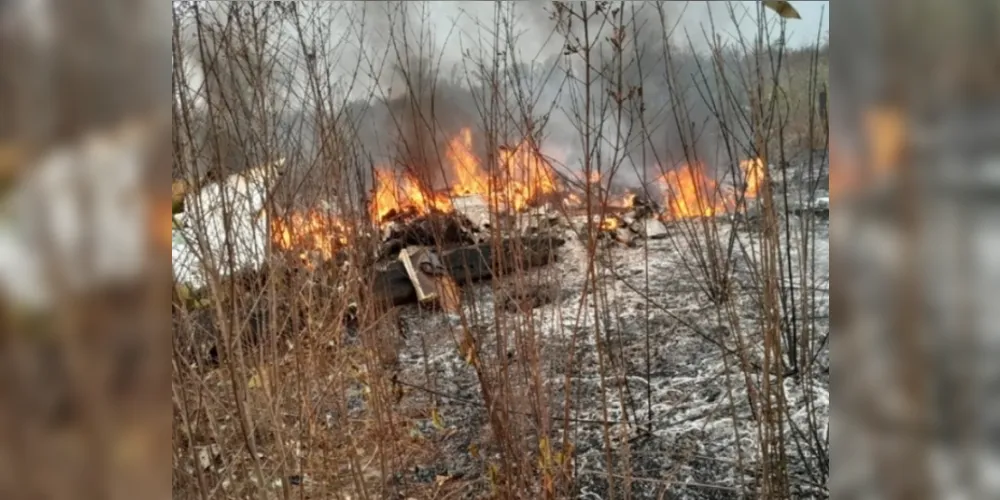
(430, 278)
(651, 229)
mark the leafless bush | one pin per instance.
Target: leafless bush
(304, 387)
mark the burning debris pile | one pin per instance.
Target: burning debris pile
(312, 235)
(686, 193)
(641, 220)
(689, 192)
(518, 195)
(446, 234)
(414, 244)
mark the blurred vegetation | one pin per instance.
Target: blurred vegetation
(798, 93)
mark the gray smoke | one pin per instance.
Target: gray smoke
(415, 73)
(435, 86)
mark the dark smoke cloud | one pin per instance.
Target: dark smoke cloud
(419, 85)
(429, 107)
(650, 132)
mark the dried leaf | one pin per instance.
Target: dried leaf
(544, 453)
(178, 191)
(259, 379)
(436, 419)
(784, 9)
(468, 348)
(548, 483)
(563, 456)
(493, 474)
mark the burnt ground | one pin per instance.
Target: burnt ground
(685, 402)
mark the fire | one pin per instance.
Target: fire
(526, 176)
(609, 224)
(886, 130)
(520, 177)
(575, 198)
(471, 179)
(753, 170)
(628, 200)
(690, 193)
(401, 192)
(311, 231)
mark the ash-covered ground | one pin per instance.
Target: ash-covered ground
(676, 406)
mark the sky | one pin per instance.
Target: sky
(800, 32)
(803, 32)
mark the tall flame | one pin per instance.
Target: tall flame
(521, 176)
(753, 170)
(401, 192)
(471, 179)
(526, 175)
(690, 193)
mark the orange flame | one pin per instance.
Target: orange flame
(526, 176)
(309, 232)
(521, 177)
(471, 179)
(609, 224)
(401, 192)
(690, 193)
(628, 200)
(753, 170)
